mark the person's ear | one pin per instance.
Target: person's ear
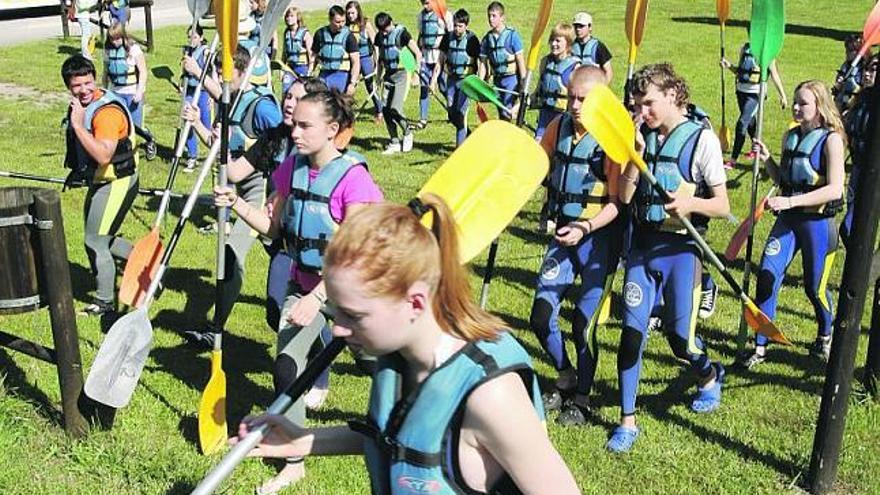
(418, 298)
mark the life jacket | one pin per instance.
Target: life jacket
(748, 71)
(586, 52)
(389, 48)
(503, 61)
(430, 30)
(850, 86)
(671, 164)
(552, 90)
(458, 62)
(119, 3)
(118, 69)
(698, 115)
(199, 55)
(306, 223)
(856, 125)
(254, 36)
(295, 47)
(332, 54)
(241, 122)
(803, 169)
(365, 44)
(578, 185)
(411, 443)
(261, 74)
(124, 160)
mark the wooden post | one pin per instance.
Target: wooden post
(871, 379)
(55, 273)
(148, 18)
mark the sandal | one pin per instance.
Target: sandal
(709, 399)
(622, 439)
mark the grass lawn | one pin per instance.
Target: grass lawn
(758, 442)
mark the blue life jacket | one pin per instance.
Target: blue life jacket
(850, 86)
(586, 52)
(411, 442)
(459, 63)
(503, 61)
(295, 47)
(332, 55)
(552, 90)
(578, 185)
(241, 122)
(260, 75)
(118, 70)
(671, 164)
(803, 169)
(306, 223)
(199, 54)
(124, 160)
(389, 48)
(365, 44)
(748, 71)
(430, 30)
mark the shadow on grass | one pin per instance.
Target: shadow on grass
(181, 488)
(16, 383)
(798, 29)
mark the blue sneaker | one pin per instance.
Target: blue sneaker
(709, 399)
(622, 439)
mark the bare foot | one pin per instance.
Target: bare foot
(292, 472)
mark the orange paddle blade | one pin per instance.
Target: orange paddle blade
(481, 113)
(722, 7)
(760, 323)
(742, 232)
(871, 31)
(538, 33)
(343, 138)
(439, 8)
(636, 12)
(139, 269)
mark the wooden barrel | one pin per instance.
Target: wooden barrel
(19, 281)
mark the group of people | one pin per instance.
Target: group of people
(394, 289)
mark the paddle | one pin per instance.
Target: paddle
(636, 13)
(479, 90)
(742, 232)
(609, 123)
(534, 51)
(408, 62)
(484, 190)
(143, 191)
(481, 112)
(870, 37)
(765, 39)
(439, 8)
(723, 9)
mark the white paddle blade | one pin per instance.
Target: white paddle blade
(120, 360)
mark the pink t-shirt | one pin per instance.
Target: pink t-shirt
(356, 186)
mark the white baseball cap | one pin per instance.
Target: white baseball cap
(583, 18)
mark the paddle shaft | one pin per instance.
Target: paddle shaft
(743, 335)
(144, 191)
(430, 90)
(723, 97)
(293, 392)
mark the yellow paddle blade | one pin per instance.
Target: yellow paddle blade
(538, 32)
(607, 120)
(760, 323)
(474, 181)
(143, 261)
(636, 12)
(212, 408)
(724, 137)
(227, 27)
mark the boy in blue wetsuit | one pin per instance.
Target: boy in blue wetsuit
(583, 194)
(459, 53)
(337, 53)
(556, 70)
(663, 260)
(432, 30)
(810, 176)
(501, 52)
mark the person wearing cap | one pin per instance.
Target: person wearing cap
(337, 52)
(589, 50)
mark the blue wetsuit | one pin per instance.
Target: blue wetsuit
(500, 50)
(461, 60)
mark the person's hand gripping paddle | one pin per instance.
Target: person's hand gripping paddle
(742, 232)
(479, 90)
(484, 190)
(636, 15)
(765, 39)
(608, 121)
(723, 9)
(870, 37)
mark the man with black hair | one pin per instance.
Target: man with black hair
(459, 55)
(391, 40)
(337, 53)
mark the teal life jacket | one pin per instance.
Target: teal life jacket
(122, 163)
(365, 44)
(698, 115)
(198, 54)
(552, 90)
(295, 47)
(671, 164)
(306, 222)
(119, 71)
(411, 442)
(260, 75)
(578, 184)
(503, 62)
(587, 52)
(748, 71)
(459, 63)
(241, 121)
(850, 86)
(332, 55)
(258, 29)
(430, 30)
(803, 169)
(389, 49)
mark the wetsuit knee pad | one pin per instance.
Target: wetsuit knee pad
(539, 320)
(679, 346)
(765, 281)
(579, 328)
(285, 372)
(630, 348)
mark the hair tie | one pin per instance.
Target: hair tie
(418, 208)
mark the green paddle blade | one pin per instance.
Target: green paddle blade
(408, 60)
(479, 90)
(767, 32)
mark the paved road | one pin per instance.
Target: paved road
(165, 13)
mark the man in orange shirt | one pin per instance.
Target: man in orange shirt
(100, 151)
